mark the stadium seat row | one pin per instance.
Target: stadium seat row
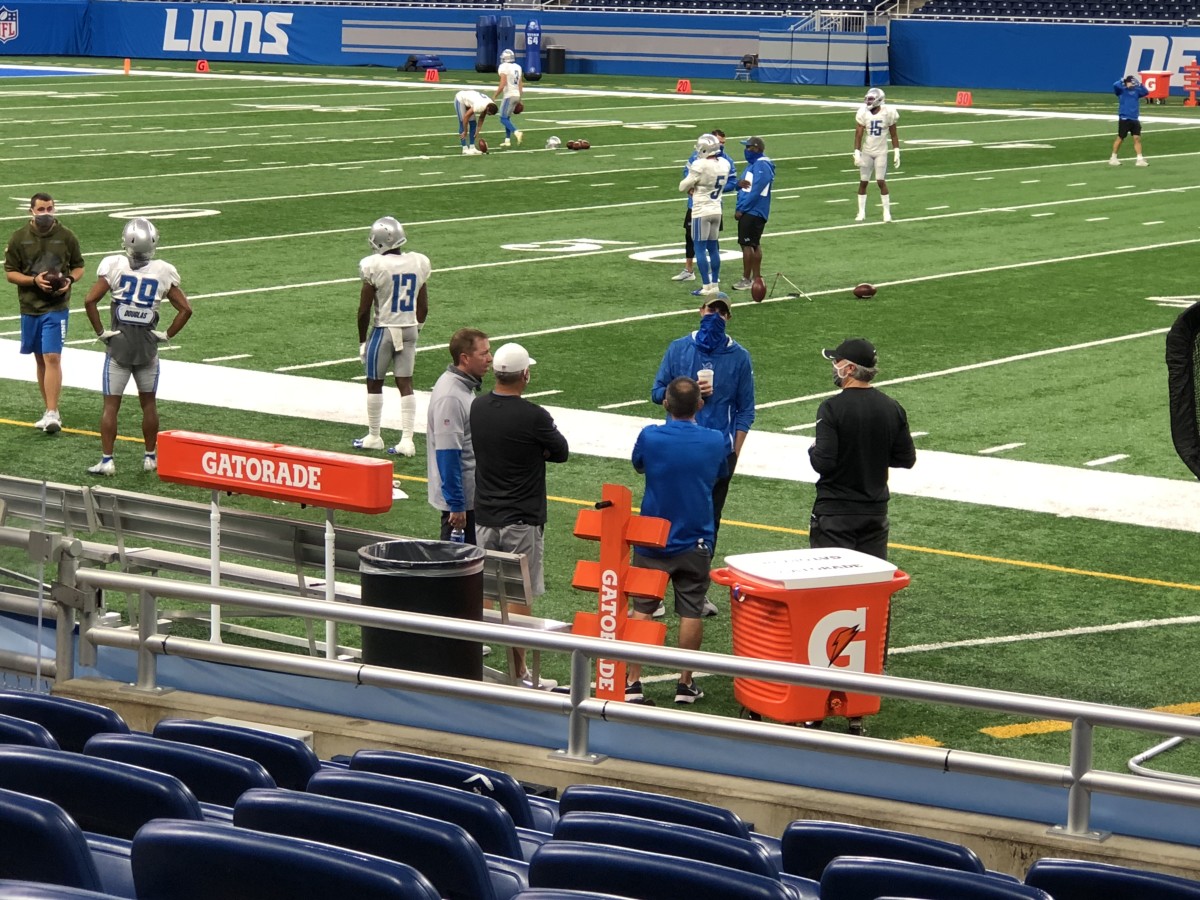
(138, 815)
(1065, 9)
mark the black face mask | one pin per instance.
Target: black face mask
(44, 221)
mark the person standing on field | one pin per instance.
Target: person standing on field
(1129, 91)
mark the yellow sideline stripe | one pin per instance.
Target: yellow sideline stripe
(1050, 726)
(779, 529)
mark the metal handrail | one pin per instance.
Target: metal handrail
(580, 707)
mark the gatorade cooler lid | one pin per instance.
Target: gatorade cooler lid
(811, 568)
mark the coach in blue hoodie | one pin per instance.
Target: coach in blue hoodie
(753, 209)
(727, 386)
(1129, 91)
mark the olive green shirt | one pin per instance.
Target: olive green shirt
(30, 253)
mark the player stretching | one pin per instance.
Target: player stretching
(875, 122)
(705, 181)
(510, 94)
(393, 304)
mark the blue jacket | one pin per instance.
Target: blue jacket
(681, 461)
(730, 408)
(730, 185)
(1129, 105)
(756, 199)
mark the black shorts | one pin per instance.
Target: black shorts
(750, 230)
(1126, 127)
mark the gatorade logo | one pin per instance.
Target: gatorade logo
(839, 640)
(261, 471)
(227, 31)
(1161, 53)
(606, 669)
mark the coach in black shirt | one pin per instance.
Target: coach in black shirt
(861, 433)
(513, 440)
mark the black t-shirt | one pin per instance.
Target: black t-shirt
(513, 440)
(861, 432)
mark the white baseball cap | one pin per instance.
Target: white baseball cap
(511, 359)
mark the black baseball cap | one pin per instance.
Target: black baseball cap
(859, 351)
(755, 143)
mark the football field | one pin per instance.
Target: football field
(1025, 288)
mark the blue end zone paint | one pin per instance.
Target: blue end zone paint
(18, 72)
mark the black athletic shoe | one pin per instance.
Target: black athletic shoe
(687, 693)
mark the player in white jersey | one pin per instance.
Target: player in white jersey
(705, 181)
(875, 122)
(470, 109)
(138, 283)
(510, 95)
(392, 305)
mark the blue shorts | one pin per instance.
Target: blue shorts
(45, 333)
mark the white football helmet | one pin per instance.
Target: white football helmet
(140, 240)
(707, 145)
(386, 234)
(553, 143)
(874, 98)
(507, 56)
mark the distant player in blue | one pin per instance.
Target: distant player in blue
(689, 246)
(753, 209)
(1129, 91)
(682, 461)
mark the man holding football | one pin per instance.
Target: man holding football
(510, 94)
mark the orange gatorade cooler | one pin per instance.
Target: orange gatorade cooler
(1158, 84)
(821, 607)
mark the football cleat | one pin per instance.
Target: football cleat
(41, 423)
(707, 145)
(406, 447)
(140, 240)
(506, 143)
(149, 463)
(106, 467)
(368, 442)
(742, 284)
(53, 422)
(874, 98)
(1141, 162)
(386, 234)
(507, 56)
(519, 135)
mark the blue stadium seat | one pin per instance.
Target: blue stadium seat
(526, 811)
(208, 861)
(23, 733)
(1074, 879)
(645, 876)
(441, 851)
(554, 894)
(290, 761)
(481, 817)
(809, 846)
(109, 798)
(30, 890)
(865, 878)
(213, 776)
(662, 808)
(71, 722)
(42, 843)
(682, 841)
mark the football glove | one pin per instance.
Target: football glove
(362, 352)
(160, 336)
(858, 157)
(896, 157)
(107, 335)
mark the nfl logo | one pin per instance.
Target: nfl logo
(8, 24)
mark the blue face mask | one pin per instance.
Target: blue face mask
(752, 155)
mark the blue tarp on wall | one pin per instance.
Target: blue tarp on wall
(1027, 56)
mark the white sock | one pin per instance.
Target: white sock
(862, 204)
(374, 412)
(887, 204)
(408, 415)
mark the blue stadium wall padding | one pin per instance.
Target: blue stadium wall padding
(1028, 56)
(823, 57)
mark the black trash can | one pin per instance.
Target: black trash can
(556, 60)
(439, 578)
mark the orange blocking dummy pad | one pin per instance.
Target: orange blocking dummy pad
(820, 607)
(314, 477)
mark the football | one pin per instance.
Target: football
(758, 290)
(519, 108)
(482, 145)
(572, 145)
(56, 280)
(864, 291)
(583, 145)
